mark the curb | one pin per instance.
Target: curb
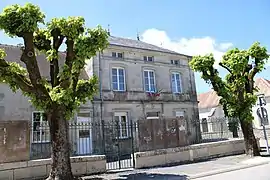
(220, 171)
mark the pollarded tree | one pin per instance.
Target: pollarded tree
(62, 94)
(237, 89)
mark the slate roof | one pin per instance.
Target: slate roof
(210, 98)
(131, 43)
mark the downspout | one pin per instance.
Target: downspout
(193, 91)
(101, 102)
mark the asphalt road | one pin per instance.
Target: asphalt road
(259, 172)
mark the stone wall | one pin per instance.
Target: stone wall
(83, 165)
(190, 153)
(14, 141)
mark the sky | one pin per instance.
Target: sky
(192, 27)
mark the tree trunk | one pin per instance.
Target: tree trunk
(60, 147)
(235, 133)
(251, 144)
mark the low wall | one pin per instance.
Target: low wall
(81, 165)
(190, 153)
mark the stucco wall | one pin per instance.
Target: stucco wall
(195, 152)
(41, 168)
(134, 66)
(13, 106)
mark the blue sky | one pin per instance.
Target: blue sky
(187, 26)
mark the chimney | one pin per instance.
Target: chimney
(109, 32)
(138, 36)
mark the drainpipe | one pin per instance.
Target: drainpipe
(101, 101)
(197, 124)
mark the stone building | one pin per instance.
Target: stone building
(138, 81)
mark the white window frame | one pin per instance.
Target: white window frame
(179, 114)
(173, 76)
(149, 84)
(147, 58)
(117, 55)
(118, 79)
(40, 130)
(119, 115)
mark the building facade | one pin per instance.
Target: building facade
(137, 81)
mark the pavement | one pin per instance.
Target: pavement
(258, 172)
(212, 168)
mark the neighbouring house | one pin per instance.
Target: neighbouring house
(138, 81)
(210, 109)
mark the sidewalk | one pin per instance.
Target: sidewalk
(187, 171)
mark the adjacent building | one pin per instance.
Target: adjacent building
(210, 109)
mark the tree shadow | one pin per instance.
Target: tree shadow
(151, 176)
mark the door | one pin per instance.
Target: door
(84, 142)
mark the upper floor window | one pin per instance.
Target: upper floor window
(40, 128)
(176, 82)
(148, 58)
(149, 81)
(117, 54)
(118, 79)
(175, 62)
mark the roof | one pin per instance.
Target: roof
(210, 99)
(263, 85)
(131, 43)
(14, 55)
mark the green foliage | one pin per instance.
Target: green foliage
(16, 20)
(237, 90)
(82, 44)
(71, 27)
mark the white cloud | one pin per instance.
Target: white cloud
(192, 46)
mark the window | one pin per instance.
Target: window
(117, 55)
(176, 83)
(121, 124)
(149, 81)
(204, 125)
(148, 58)
(175, 62)
(179, 114)
(118, 79)
(40, 128)
(152, 115)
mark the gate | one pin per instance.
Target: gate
(118, 137)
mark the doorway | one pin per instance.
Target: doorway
(84, 134)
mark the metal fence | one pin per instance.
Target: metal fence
(118, 140)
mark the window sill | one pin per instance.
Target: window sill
(122, 138)
(119, 91)
(42, 142)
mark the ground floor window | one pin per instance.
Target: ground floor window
(204, 125)
(40, 127)
(121, 124)
(152, 115)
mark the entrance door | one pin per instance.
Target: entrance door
(84, 143)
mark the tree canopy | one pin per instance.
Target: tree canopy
(64, 86)
(237, 89)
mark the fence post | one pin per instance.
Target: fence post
(103, 136)
(132, 143)
(118, 129)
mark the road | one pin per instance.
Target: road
(259, 172)
(185, 171)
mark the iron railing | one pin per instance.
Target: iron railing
(119, 141)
